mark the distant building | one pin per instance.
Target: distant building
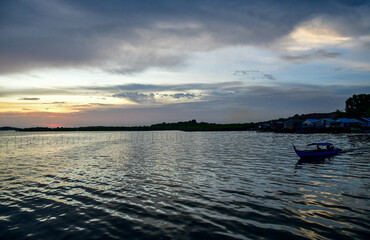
(325, 123)
(310, 122)
(277, 125)
(366, 121)
(348, 122)
(293, 124)
(265, 126)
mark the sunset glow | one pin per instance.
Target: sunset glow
(54, 125)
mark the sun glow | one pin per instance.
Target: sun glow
(314, 34)
(54, 125)
(59, 103)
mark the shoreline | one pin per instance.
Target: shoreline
(134, 129)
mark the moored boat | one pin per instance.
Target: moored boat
(328, 151)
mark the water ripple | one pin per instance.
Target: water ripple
(177, 185)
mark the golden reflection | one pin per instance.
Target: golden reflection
(44, 182)
(64, 184)
(309, 233)
(309, 196)
(58, 200)
(322, 217)
(4, 218)
(318, 209)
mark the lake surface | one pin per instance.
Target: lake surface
(181, 185)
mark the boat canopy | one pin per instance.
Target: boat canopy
(320, 144)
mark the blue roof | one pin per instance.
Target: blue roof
(320, 144)
(356, 120)
(312, 119)
(347, 120)
(343, 120)
(328, 119)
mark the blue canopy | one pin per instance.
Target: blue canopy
(320, 144)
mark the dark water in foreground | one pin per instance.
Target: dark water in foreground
(177, 185)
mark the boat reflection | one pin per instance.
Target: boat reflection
(317, 160)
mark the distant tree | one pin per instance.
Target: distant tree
(340, 114)
(358, 105)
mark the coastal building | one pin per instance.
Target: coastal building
(265, 126)
(310, 122)
(366, 121)
(325, 123)
(348, 122)
(293, 124)
(277, 125)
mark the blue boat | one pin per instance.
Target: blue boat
(328, 151)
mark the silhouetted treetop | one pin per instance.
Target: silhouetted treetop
(358, 106)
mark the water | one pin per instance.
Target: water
(178, 185)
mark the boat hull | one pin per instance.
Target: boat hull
(317, 154)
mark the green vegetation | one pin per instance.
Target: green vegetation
(358, 106)
(8, 128)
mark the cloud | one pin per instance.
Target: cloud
(137, 97)
(183, 95)
(235, 92)
(240, 103)
(163, 87)
(36, 91)
(126, 37)
(316, 55)
(150, 98)
(269, 76)
(29, 99)
(254, 74)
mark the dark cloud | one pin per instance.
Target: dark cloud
(29, 99)
(254, 74)
(125, 37)
(236, 92)
(269, 76)
(149, 98)
(137, 97)
(242, 103)
(260, 101)
(304, 57)
(164, 87)
(126, 90)
(183, 95)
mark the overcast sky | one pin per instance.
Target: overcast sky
(79, 63)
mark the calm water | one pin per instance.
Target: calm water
(177, 185)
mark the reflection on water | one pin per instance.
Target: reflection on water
(315, 160)
(181, 185)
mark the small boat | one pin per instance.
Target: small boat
(330, 150)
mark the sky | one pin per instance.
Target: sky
(121, 63)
